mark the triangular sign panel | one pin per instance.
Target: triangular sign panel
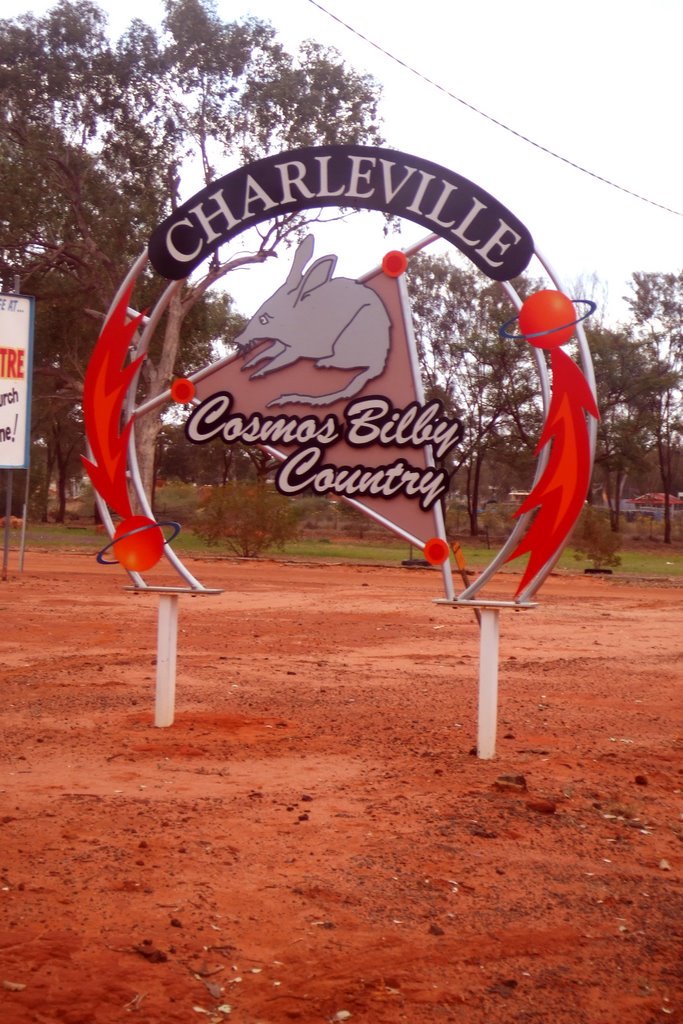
(326, 379)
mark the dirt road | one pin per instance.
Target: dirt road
(313, 840)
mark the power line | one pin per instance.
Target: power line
(488, 117)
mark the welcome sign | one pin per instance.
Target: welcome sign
(16, 365)
(325, 378)
(325, 375)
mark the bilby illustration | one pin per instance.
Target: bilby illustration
(337, 322)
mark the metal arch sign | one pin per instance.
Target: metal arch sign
(266, 394)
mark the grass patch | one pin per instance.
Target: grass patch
(634, 562)
(635, 559)
(352, 551)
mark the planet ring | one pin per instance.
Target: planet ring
(139, 529)
(504, 333)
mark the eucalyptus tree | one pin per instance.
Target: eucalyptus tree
(489, 382)
(656, 302)
(100, 140)
(629, 384)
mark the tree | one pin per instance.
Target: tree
(97, 140)
(657, 306)
(217, 463)
(62, 333)
(595, 540)
(628, 387)
(485, 380)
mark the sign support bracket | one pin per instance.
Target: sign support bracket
(167, 642)
(489, 641)
(489, 644)
(8, 516)
(167, 647)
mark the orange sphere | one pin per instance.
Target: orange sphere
(436, 551)
(182, 390)
(138, 543)
(395, 263)
(550, 316)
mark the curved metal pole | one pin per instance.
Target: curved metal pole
(130, 277)
(586, 363)
(592, 426)
(102, 507)
(521, 525)
(151, 322)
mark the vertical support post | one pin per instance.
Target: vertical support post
(488, 683)
(8, 515)
(24, 519)
(167, 637)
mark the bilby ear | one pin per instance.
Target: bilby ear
(301, 257)
(315, 277)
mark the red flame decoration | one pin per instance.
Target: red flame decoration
(104, 391)
(560, 493)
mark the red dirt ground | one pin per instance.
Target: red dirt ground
(313, 840)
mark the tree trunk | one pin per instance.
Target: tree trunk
(665, 475)
(62, 460)
(227, 463)
(146, 433)
(667, 518)
(473, 479)
(607, 496)
(615, 505)
(61, 496)
(158, 379)
(618, 488)
(49, 467)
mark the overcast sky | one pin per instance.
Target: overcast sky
(599, 83)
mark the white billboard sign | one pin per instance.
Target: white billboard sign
(16, 364)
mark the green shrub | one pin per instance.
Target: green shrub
(248, 518)
(595, 540)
